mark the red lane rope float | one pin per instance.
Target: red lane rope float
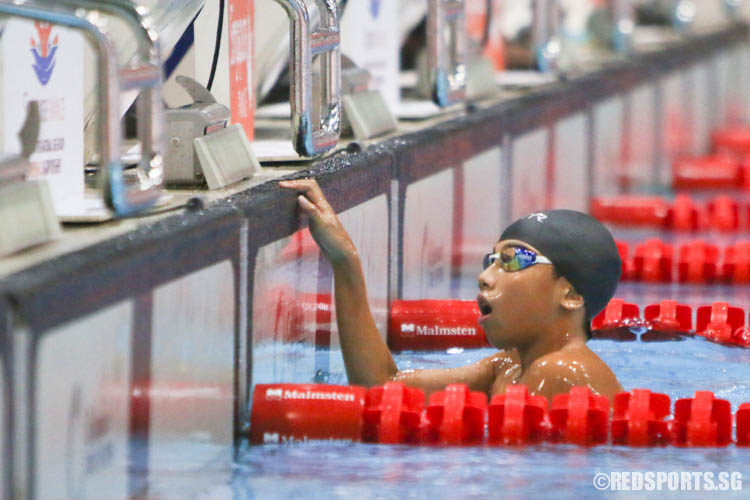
(517, 417)
(667, 317)
(702, 421)
(616, 319)
(424, 328)
(722, 212)
(707, 172)
(392, 414)
(456, 416)
(628, 266)
(685, 214)
(697, 262)
(206, 403)
(580, 417)
(434, 324)
(284, 413)
(743, 425)
(736, 266)
(733, 141)
(650, 211)
(718, 322)
(653, 261)
(721, 322)
(638, 418)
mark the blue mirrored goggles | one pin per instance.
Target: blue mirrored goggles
(513, 259)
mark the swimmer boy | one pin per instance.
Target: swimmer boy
(549, 274)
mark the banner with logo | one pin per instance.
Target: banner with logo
(477, 18)
(370, 37)
(233, 80)
(43, 62)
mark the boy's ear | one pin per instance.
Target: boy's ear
(571, 300)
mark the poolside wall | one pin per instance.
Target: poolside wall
(191, 304)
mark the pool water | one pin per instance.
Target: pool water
(335, 470)
(325, 471)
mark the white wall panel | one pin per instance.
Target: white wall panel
(192, 368)
(367, 224)
(701, 109)
(639, 166)
(483, 204)
(609, 121)
(4, 460)
(529, 172)
(571, 164)
(82, 407)
(428, 232)
(284, 293)
(676, 133)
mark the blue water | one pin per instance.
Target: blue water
(378, 471)
(327, 471)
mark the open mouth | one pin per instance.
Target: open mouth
(484, 307)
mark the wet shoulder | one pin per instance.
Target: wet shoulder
(558, 372)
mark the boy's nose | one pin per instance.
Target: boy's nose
(485, 280)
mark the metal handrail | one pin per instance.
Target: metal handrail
(311, 139)
(447, 62)
(78, 14)
(545, 34)
(623, 14)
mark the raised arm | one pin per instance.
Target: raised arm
(366, 356)
(367, 359)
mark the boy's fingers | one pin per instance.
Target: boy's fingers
(307, 186)
(307, 205)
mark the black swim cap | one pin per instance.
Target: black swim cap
(581, 249)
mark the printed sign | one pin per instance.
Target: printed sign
(477, 18)
(240, 63)
(233, 80)
(48, 70)
(370, 37)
